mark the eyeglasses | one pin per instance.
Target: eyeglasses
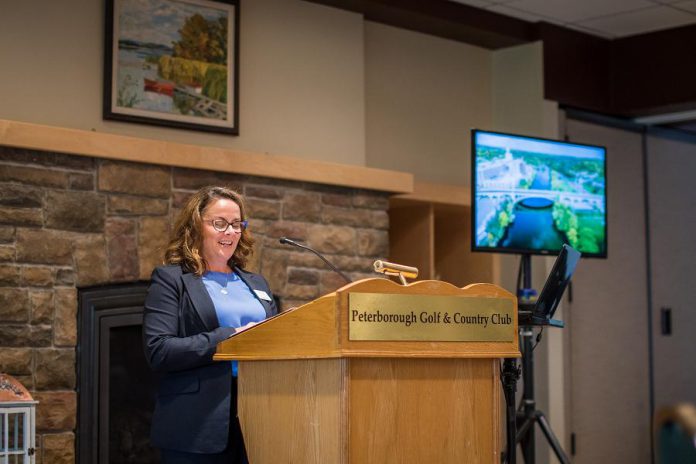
(221, 225)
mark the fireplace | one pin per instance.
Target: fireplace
(80, 234)
(116, 388)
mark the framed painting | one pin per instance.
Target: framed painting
(173, 63)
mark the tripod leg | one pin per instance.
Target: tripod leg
(525, 437)
(528, 446)
(551, 438)
(523, 427)
(528, 405)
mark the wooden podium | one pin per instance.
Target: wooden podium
(309, 392)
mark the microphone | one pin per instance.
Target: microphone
(287, 241)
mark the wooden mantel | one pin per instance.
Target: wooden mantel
(119, 147)
(437, 194)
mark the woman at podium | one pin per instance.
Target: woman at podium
(199, 298)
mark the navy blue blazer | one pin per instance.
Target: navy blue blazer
(180, 334)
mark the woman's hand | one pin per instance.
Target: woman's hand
(245, 327)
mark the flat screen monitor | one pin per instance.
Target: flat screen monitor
(532, 195)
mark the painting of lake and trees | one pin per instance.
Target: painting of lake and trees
(173, 62)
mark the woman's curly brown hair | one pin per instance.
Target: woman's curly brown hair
(186, 241)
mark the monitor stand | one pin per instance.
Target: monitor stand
(520, 421)
(525, 317)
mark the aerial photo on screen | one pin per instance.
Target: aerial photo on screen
(535, 195)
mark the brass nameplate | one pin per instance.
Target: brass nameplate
(380, 316)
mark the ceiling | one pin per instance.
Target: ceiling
(603, 18)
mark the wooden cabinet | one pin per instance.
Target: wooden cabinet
(430, 229)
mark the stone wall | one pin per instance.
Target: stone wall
(68, 222)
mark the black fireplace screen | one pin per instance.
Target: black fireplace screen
(116, 389)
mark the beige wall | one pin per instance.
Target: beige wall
(607, 321)
(423, 95)
(518, 92)
(671, 167)
(315, 82)
(301, 81)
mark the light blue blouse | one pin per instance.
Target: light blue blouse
(235, 303)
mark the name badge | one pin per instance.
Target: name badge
(263, 295)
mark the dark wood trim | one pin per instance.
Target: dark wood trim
(654, 73)
(634, 76)
(443, 18)
(576, 68)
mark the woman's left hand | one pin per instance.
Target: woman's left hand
(245, 327)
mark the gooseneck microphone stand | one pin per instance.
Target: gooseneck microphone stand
(520, 422)
(287, 241)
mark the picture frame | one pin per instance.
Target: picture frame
(173, 63)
